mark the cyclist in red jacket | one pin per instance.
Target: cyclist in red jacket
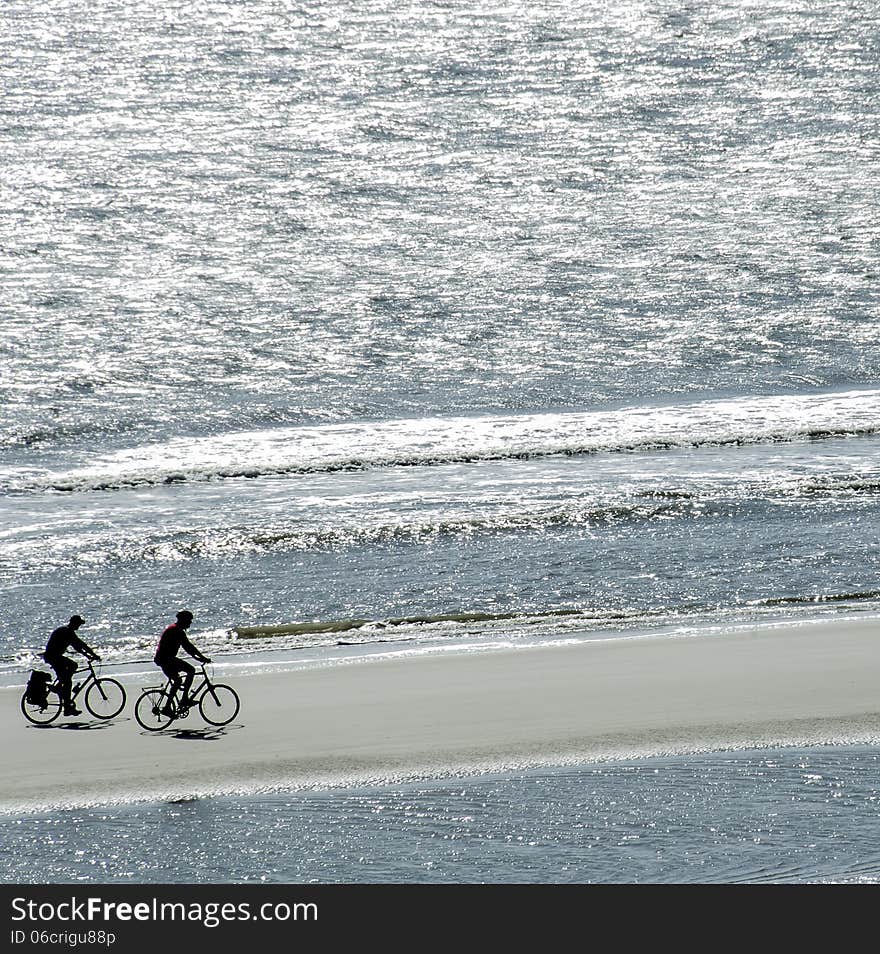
(172, 640)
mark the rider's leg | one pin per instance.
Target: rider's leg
(171, 670)
(175, 685)
(64, 670)
(188, 676)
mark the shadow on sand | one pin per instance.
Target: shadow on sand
(81, 726)
(207, 734)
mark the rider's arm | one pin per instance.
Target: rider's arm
(87, 651)
(188, 646)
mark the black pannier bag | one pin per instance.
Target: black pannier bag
(37, 692)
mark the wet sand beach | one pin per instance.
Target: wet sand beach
(459, 713)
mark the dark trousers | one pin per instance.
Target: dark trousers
(64, 670)
(172, 669)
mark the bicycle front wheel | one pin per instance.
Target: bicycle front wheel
(219, 704)
(105, 698)
(41, 715)
(148, 710)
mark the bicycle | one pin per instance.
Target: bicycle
(104, 698)
(217, 703)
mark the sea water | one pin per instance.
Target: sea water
(787, 816)
(431, 323)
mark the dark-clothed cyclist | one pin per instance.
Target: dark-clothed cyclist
(60, 641)
(172, 640)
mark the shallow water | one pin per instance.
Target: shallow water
(782, 816)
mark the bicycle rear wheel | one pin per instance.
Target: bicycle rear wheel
(41, 715)
(105, 698)
(219, 704)
(148, 710)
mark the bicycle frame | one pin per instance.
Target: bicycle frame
(77, 688)
(195, 691)
(87, 681)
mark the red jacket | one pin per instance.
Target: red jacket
(171, 642)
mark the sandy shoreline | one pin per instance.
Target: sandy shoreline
(455, 713)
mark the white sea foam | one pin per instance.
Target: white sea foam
(435, 440)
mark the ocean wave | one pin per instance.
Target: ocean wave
(41, 435)
(434, 441)
(812, 599)
(450, 626)
(347, 625)
(507, 626)
(101, 549)
(351, 530)
(218, 542)
(562, 621)
(838, 486)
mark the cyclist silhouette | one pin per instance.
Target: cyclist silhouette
(60, 641)
(172, 640)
